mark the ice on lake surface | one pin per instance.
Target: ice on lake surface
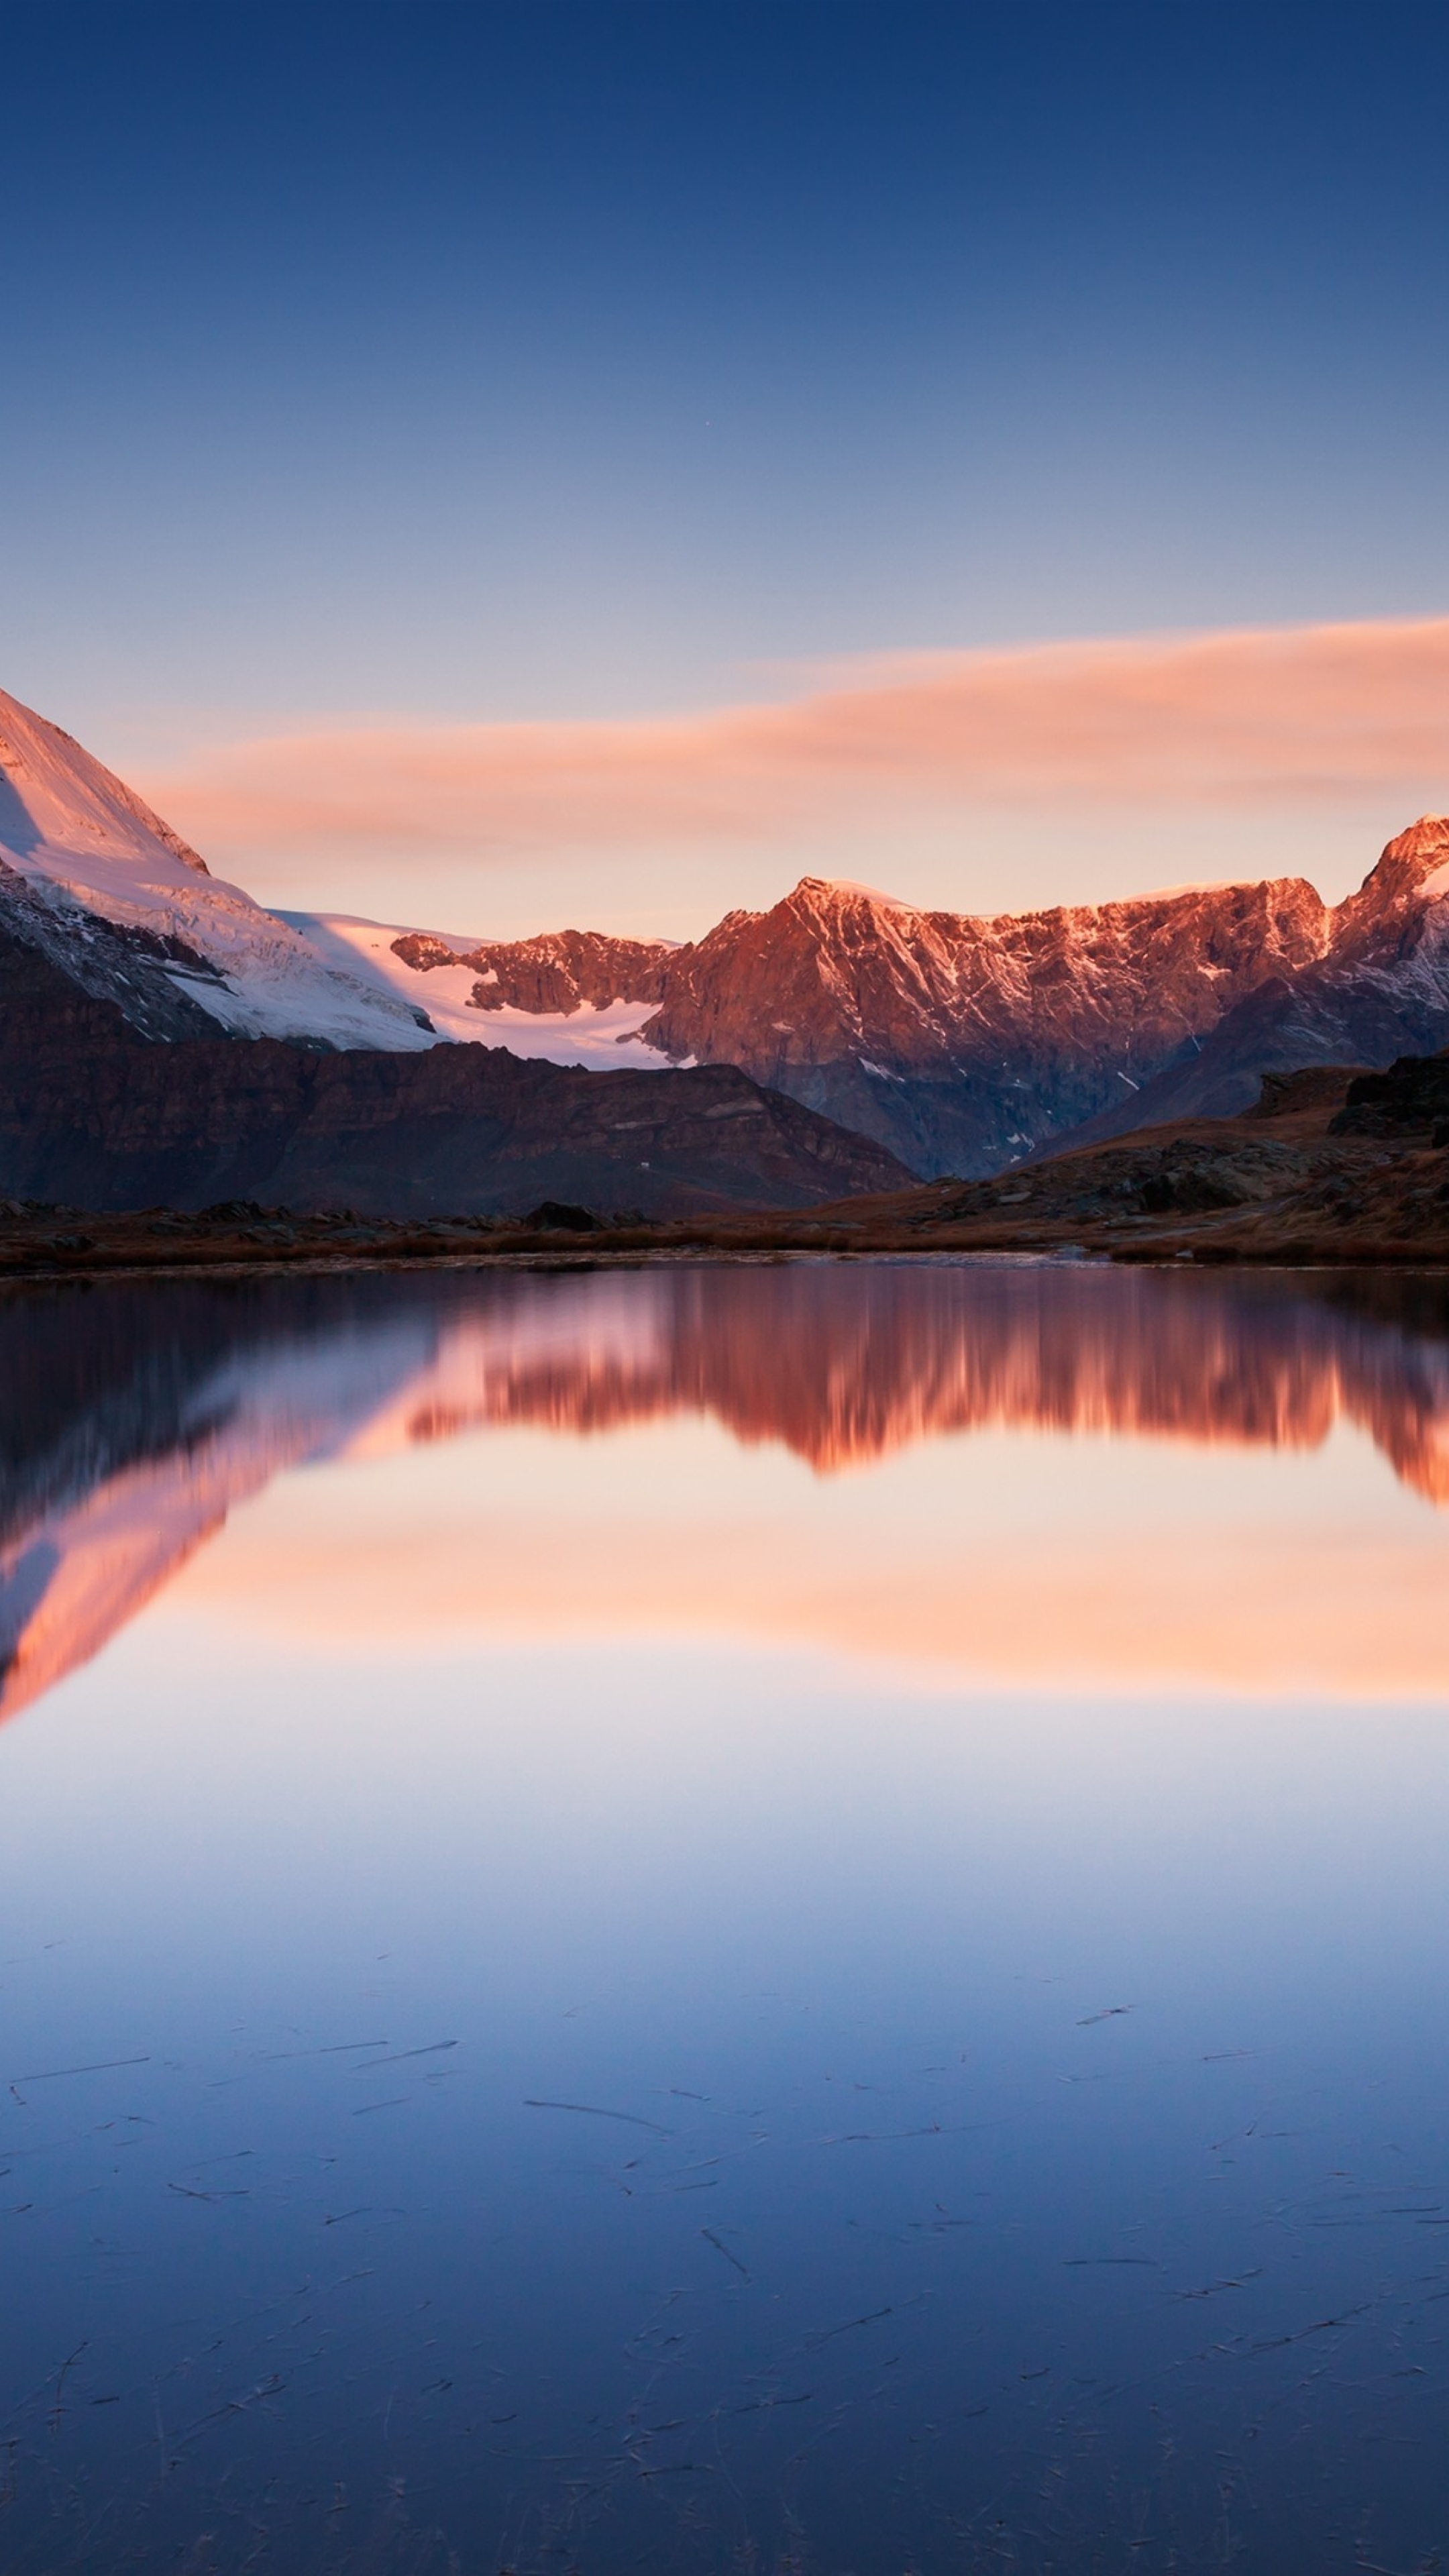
(725, 1918)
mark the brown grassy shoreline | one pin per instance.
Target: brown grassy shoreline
(93, 1247)
(1291, 1188)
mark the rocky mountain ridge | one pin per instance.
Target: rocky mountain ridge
(556, 971)
(1380, 990)
(970, 1044)
(969, 1041)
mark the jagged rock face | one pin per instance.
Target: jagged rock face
(557, 971)
(965, 1043)
(1411, 871)
(1380, 990)
(968, 1045)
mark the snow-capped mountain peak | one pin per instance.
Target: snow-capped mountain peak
(82, 855)
(61, 798)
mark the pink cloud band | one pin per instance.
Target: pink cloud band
(1287, 716)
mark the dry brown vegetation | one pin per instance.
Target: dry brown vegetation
(1299, 1180)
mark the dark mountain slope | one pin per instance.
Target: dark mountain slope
(94, 1116)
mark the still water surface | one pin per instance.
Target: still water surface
(724, 1919)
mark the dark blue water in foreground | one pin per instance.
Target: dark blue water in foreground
(778, 1918)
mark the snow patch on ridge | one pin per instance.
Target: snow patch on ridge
(604, 1038)
(852, 885)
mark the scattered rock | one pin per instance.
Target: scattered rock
(1314, 1086)
(1412, 1096)
(556, 1216)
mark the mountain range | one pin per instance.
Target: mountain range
(966, 1045)
(953, 1044)
(163, 1038)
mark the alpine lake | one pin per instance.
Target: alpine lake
(783, 1915)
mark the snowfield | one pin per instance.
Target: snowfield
(603, 1038)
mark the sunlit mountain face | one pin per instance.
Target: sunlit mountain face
(136, 1423)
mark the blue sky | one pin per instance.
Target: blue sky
(595, 358)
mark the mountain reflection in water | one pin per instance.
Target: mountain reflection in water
(725, 1919)
(135, 1418)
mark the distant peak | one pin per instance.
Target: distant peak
(849, 886)
(1429, 831)
(61, 795)
(1426, 839)
(1412, 862)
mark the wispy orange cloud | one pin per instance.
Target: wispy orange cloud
(1289, 717)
